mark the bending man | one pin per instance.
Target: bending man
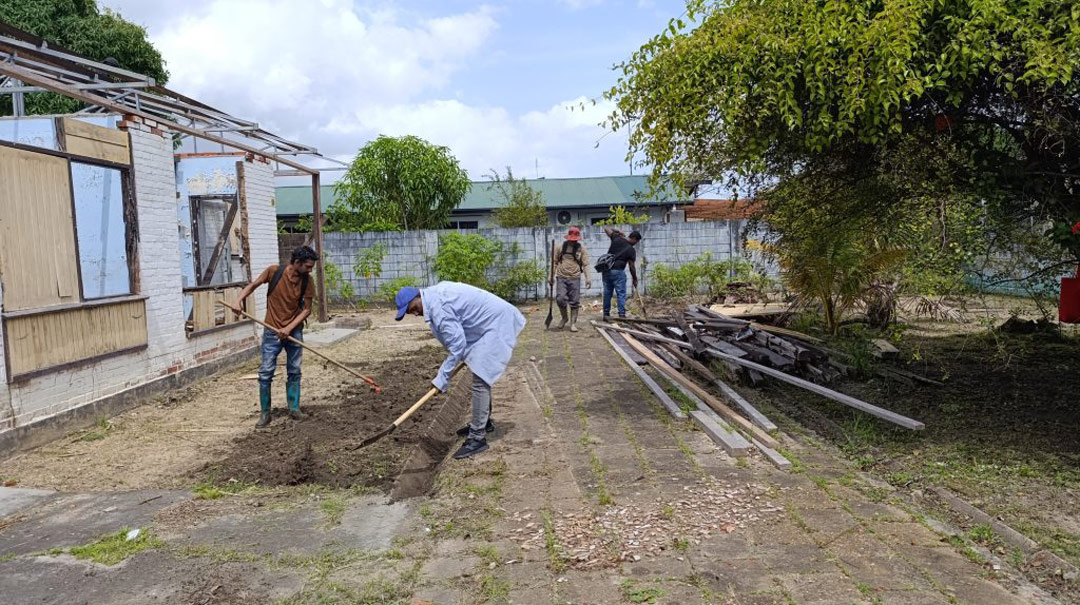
(476, 327)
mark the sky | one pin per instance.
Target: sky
(493, 81)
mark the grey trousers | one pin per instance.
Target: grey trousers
(568, 291)
(481, 408)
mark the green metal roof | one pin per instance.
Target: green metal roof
(558, 193)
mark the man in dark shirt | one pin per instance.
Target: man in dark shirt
(288, 304)
(622, 248)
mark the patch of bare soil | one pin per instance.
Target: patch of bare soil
(323, 449)
(161, 443)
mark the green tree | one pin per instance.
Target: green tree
(960, 99)
(619, 215)
(399, 183)
(81, 27)
(522, 206)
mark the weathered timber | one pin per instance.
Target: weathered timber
(847, 400)
(731, 415)
(732, 443)
(645, 335)
(731, 394)
(665, 399)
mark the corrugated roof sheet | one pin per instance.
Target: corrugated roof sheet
(558, 193)
(721, 210)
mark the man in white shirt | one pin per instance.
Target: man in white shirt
(476, 327)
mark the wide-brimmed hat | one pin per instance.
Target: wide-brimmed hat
(573, 234)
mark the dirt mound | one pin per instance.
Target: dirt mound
(320, 450)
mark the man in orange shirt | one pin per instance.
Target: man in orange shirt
(288, 304)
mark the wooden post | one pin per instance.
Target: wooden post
(320, 276)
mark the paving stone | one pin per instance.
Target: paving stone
(821, 588)
(911, 597)
(828, 524)
(870, 562)
(914, 534)
(875, 511)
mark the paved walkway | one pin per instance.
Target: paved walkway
(591, 493)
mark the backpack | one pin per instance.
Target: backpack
(576, 248)
(605, 263)
(277, 277)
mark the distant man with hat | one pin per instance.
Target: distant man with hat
(476, 327)
(620, 255)
(570, 260)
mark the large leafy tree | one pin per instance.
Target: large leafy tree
(522, 206)
(81, 27)
(961, 100)
(399, 183)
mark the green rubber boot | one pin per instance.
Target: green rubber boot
(292, 395)
(264, 406)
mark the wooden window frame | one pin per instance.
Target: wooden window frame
(233, 202)
(131, 239)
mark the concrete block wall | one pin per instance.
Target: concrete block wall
(170, 350)
(409, 254)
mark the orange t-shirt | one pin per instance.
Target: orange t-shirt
(283, 305)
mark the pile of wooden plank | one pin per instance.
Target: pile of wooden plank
(684, 344)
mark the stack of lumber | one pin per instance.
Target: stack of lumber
(681, 348)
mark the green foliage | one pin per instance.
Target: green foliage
(368, 262)
(389, 289)
(80, 26)
(114, 548)
(399, 183)
(702, 275)
(951, 122)
(339, 287)
(770, 87)
(305, 223)
(1067, 235)
(619, 215)
(522, 206)
(475, 260)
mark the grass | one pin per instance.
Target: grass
(114, 548)
(210, 490)
(102, 430)
(556, 558)
(680, 544)
(7, 557)
(494, 589)
(489, 554)
(636, 593)
(333, 508)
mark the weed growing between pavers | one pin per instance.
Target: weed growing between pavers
(466, 498)
(635, 592)
(604, 496)
(556, 557)
(114, 548)
(494, 589)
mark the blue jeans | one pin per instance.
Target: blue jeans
(271, 348)
(615, 281)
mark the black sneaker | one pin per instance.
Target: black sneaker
(488, 428)
(471, 447)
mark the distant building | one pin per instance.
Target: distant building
(578, 201)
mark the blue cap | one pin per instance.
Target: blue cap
(403, 298)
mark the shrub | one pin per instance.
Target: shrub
(703, 275)
(388, 290)
(475, 260)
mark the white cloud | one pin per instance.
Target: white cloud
(561, 141)
(580, 4)
(335, 74)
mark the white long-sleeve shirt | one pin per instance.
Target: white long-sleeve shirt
(475, 326)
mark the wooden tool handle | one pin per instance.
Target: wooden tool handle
(427, 396)
(369, 381)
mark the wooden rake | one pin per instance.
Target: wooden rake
(374, 385)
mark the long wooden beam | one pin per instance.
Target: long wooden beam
(727, 413)
(645, 335)
(847, 400)
(665, 399)
(731, 394)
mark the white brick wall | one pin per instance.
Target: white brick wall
(169, 349)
